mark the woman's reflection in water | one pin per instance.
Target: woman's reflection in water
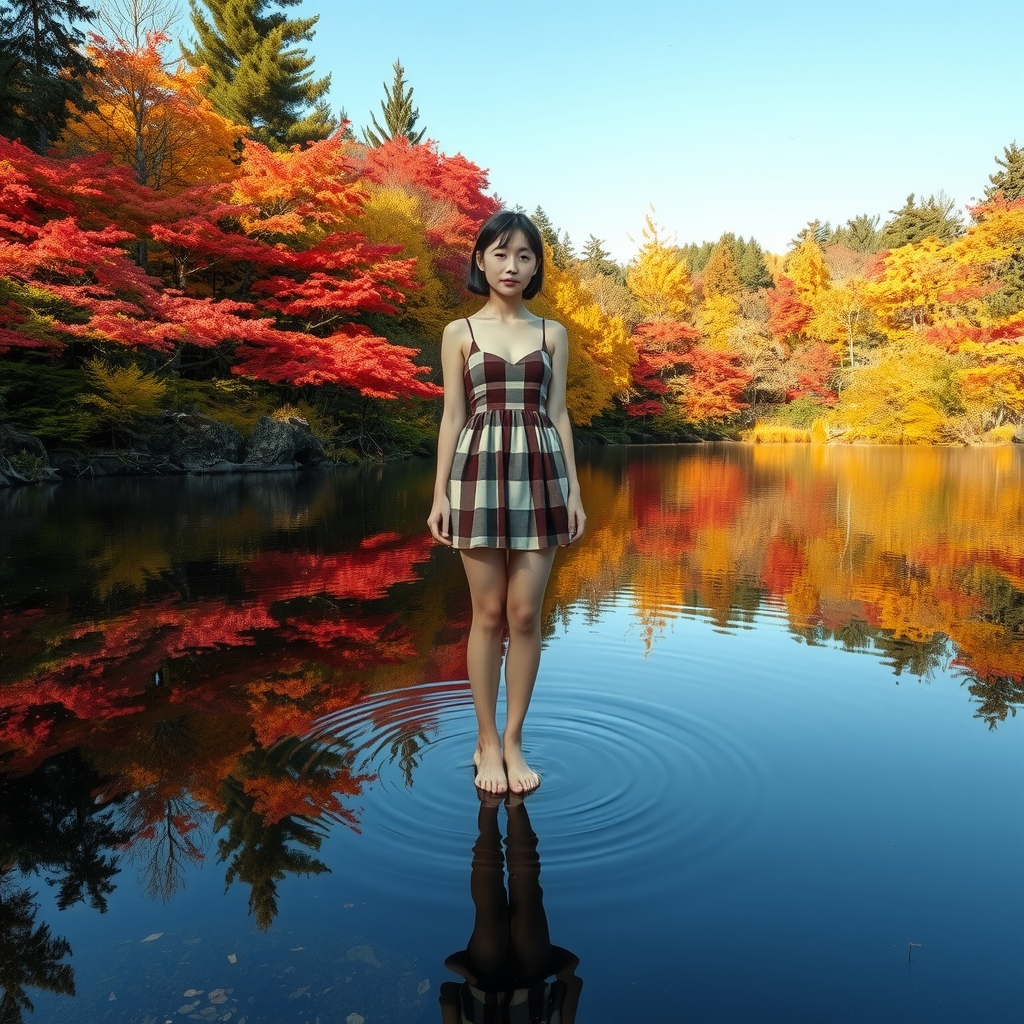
(509, 960)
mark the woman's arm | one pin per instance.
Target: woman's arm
(453, 419)
(559, 344)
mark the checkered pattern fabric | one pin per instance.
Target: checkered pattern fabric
(509, 484)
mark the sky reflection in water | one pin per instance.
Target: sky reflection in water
(231, 717)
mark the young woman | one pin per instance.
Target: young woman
(506, 493)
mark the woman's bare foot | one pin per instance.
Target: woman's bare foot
(521, 777)
(490, 769)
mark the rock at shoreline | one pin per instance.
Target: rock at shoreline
(1018, 435)
(194, 443)
(23, 458)
(284, 442)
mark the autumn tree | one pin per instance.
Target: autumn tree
(807, 269)
(131, 22)
(720, 276)
(842, 314)
(432, 205)
(658, 277)
(258, 74)
(749, 258)
(600, 353)
(283, 244)
(900, 399)
(662, 347)
(721, 286)
(400, 116)
(152, 118)
(42, 67)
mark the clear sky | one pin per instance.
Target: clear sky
(752, 117)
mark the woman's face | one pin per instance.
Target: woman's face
(509, 267)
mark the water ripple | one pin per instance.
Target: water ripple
(630, 785)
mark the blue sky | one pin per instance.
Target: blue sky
(749, 117)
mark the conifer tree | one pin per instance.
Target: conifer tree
(1010, 180)
(913, 222)
(400, 116)
(720, 276)
(697, 256)
(41, 68)
(258, 76)
(860, 233)
(750, 264)
(560, 244)
(597, 260)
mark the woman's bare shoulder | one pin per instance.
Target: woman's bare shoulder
(556, 333)
(457, 329)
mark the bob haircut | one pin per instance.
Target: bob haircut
(500, 228)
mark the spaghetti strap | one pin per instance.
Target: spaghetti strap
(471, 334)
(543, 335)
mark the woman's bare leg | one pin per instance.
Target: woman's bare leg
(487, 573)
(528, 573)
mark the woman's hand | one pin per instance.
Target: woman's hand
(439, 520)
(577, 518)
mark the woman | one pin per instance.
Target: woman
(506, 492)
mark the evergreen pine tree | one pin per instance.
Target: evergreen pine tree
(561, 250)
(258, 76)
(913, 222)
(860, 233)
(597, 260)
(697, 256)
(400, 116)
(819, 232)
(750, 264)
(41, 68)
(1010, 180)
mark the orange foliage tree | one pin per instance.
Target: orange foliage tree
(152, 118)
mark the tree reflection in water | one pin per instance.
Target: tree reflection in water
(29, 955)
(49, 825)
(511, 970)
(164, 646)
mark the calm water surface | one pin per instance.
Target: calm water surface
(776, 720)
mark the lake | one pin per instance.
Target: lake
(776, 721)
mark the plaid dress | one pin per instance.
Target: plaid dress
(509, 484)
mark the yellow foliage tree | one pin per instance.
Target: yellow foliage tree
(393, 216)
(842, 314)
(720, 309)
(911, 292)
(898, 400)
(600, 354)
(992, 388)
(720, 275)
(659, 277)
(152, 118)
(807, 269)
(123, 395)
(719, 314)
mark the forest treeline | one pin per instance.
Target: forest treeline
(185, 226)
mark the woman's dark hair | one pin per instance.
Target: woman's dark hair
(500, 228)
